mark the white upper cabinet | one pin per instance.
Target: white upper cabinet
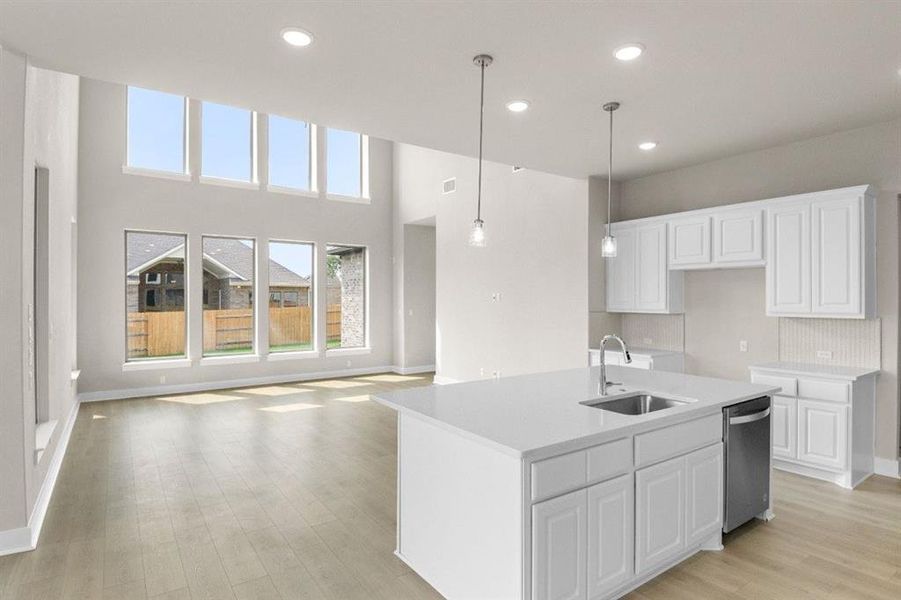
(821, 255)
(638, 278)
(788, 267)
(689, 242)
(738, 238)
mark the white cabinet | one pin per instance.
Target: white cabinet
(821, 255)
(738, 238)
(611, 535)
(822, 434)
(704, 486)
(689, 242)
(660, 513)
(678, 504)
(638, 278)
(559, 547)
(823, 420)
(788, 259)
(785, 422)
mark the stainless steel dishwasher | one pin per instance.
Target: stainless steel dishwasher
(746, 432)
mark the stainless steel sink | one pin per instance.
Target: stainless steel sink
(638, 404)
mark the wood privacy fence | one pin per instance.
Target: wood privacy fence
(163, 333)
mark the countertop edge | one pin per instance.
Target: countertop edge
(814, 370)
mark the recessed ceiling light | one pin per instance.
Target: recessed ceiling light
(629, 51)
(297, 37)
(647, 145)
(517, 105)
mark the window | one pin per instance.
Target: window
(155, 311)
(156, 130)
(228, 279)
(227, 142)
(290, 144)
(346, 320)
(290, 296)
(347, 171)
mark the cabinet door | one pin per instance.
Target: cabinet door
(621, 271)
(836, 282)
(788, 260)
(651, 272)
(559, 547)
(689, 242)
(785, 418)
(704, 500)
(659, 513)
(738, 237)
(611, 535)
(822, 433)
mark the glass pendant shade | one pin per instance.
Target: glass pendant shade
(477, 234)
(608, 246)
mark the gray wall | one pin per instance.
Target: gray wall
(535, 264)
(111, 201)
(419, 296)
(38, 126)
(600, 322)
(870, 155)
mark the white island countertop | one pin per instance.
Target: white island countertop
(539, 415)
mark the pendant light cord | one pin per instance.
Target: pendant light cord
(610, 174)
(481, 125)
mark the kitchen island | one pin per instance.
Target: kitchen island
(522, 488)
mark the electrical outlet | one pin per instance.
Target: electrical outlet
(481, 371)
(496, 296)
(824, 354)
(743, 345)
(162, 379)
(496, 374)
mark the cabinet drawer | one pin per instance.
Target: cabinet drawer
(559, 474)
(608, 460)
(823, 390)
(671, 441)
(789, 385)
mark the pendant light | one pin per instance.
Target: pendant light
(477, 233)
(608, 246)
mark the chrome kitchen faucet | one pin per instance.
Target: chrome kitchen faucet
(626, 357)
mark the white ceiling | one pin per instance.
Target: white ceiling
(718, 78)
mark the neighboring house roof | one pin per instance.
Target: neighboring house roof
(225, 255)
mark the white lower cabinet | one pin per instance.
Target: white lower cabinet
(611, 535)
(822, 433)
(559, 547)
(679, 503)
(785, 418)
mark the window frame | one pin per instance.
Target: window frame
(255, 315)
(314, 301)
(164, 361)
(312, 163)
(254, 182)
(185, 173)
(366, 348)
(364, 197)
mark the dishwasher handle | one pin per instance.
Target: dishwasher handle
(750, 418)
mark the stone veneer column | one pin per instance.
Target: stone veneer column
(353, 298)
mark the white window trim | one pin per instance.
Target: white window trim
(295, 355)
(230, 359)
(312, 168)
(254, 183)
(279, 189)
(185, 173)
(314, 283)
(149, 364)
(348, 351)
(365, 196)
(365, 348)
(231, 183)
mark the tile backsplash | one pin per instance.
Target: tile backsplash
(661, 332)
(846, 342)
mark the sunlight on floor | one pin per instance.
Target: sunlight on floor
(284, 408)
(387, 378)
(363, 398)
(336, 384)
(201, 398)
(95, 417)
(274, 390)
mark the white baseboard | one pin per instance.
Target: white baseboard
(205, 386)
(26, 538)
(413, 370)
(887, 467)
(439, 380)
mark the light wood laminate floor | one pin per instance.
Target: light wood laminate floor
(288, 492)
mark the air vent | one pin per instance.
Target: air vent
(449, 186)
